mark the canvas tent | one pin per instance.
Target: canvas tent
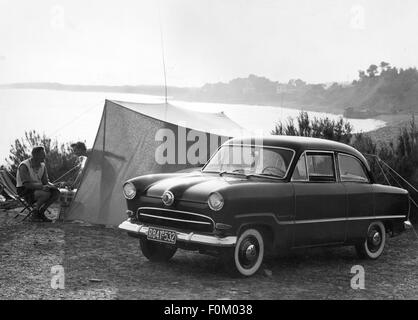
(125, 147)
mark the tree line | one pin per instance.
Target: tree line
(380, 89)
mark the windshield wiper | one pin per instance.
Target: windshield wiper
(232, 172)
(264, 175)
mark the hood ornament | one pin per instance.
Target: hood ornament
(168, 198)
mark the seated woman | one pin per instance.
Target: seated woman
(33, 184)
(69, 188)
(80, 151)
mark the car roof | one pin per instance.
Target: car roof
(299, 144)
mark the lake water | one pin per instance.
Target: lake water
(71, 116)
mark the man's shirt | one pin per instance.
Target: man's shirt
(27, 173)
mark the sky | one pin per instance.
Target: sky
(205, 41)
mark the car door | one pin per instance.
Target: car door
(360, 194)
(320, 201)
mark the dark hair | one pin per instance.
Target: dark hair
(37, 150)
(79, 145)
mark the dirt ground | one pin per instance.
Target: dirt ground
(104, 263)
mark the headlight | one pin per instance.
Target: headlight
(216, 201)
(129, 190)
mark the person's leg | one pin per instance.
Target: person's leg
(37, 198)
(41, 197)
(54, 195)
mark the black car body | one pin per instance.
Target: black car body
(262, 195)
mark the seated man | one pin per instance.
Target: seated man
(33, 184)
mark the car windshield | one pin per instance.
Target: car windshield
(250, 160)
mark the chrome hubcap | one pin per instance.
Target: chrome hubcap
(251, 252)
(248, 252)
(376, 238)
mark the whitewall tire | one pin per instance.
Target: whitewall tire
(247, 255)
(374, 243)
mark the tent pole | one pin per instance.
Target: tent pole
(163, 58)
(104, 128)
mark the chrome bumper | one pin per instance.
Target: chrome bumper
(181, 236)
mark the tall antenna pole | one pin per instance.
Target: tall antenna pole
(162, 53)
(165, 74)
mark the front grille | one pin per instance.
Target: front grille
(175, 219)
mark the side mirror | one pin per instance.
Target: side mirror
(408, 225)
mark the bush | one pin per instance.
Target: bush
(318, 128)
(59, 158)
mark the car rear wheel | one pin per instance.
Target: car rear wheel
(247, 256)
(156, 252)
(373, 245)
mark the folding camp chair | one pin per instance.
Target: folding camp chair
(8, 202)
(9, 186)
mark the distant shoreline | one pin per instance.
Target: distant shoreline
(176, 93)
(391, 121)
(139, 89)
(32, 98)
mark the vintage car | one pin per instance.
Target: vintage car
(258, 196)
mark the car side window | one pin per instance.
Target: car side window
(351, 169)
(321, 167)
(300, 173)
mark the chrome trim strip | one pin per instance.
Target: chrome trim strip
(378, 217)
(174, 219)
(341, 219)
(249, 215)
(181, 236)
(179, 211)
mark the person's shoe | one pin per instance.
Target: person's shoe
(35, 216)
(41, 214)
(43, 218)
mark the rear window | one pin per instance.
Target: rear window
(321, 167)
(351, 169)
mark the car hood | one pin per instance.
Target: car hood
(195, 187)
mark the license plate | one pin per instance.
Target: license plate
(161, 235)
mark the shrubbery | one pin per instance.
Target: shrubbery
(59, 158)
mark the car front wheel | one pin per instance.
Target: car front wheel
(373, 245)
(156, 252)
(247, 256)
